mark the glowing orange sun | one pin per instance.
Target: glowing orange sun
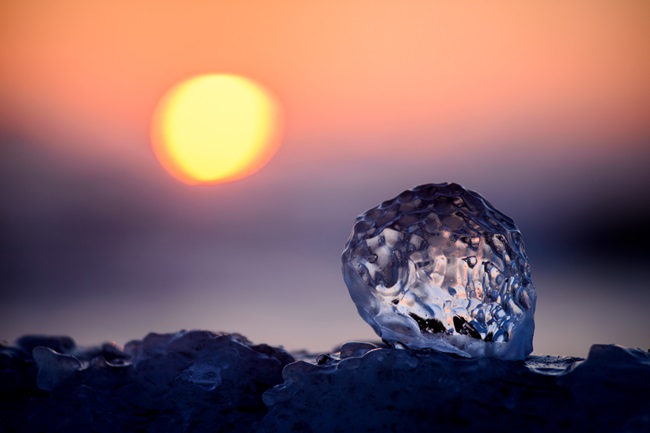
(215, 128)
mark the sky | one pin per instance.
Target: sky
(542, 107)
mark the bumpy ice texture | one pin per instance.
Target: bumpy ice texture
(372, 388)
(439, 267)
(189, 381)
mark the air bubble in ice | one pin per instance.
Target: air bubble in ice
(439, 267)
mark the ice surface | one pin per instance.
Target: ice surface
(383, 389)
(204, 382)
(196, 381)
(439, 267)
(53, 368)
(203, 374)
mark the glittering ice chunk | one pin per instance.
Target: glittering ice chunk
(439, 267)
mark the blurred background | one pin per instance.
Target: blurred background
(542, 107)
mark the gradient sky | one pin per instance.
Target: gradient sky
(542, 107)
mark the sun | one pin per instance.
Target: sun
(215, 128)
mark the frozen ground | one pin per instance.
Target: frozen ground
(199, 381)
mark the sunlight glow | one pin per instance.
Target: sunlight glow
(215, 128)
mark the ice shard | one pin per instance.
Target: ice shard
(439, 267)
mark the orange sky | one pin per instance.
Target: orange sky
(353, 69)
(529, 102)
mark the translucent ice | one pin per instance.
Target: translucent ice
(378, 389)
(439, 267)
(204, 375)
(53, 368)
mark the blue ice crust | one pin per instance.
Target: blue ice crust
(377, 388)
(200, 381)
(439, 267)
(53, 368)
(189, 381)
